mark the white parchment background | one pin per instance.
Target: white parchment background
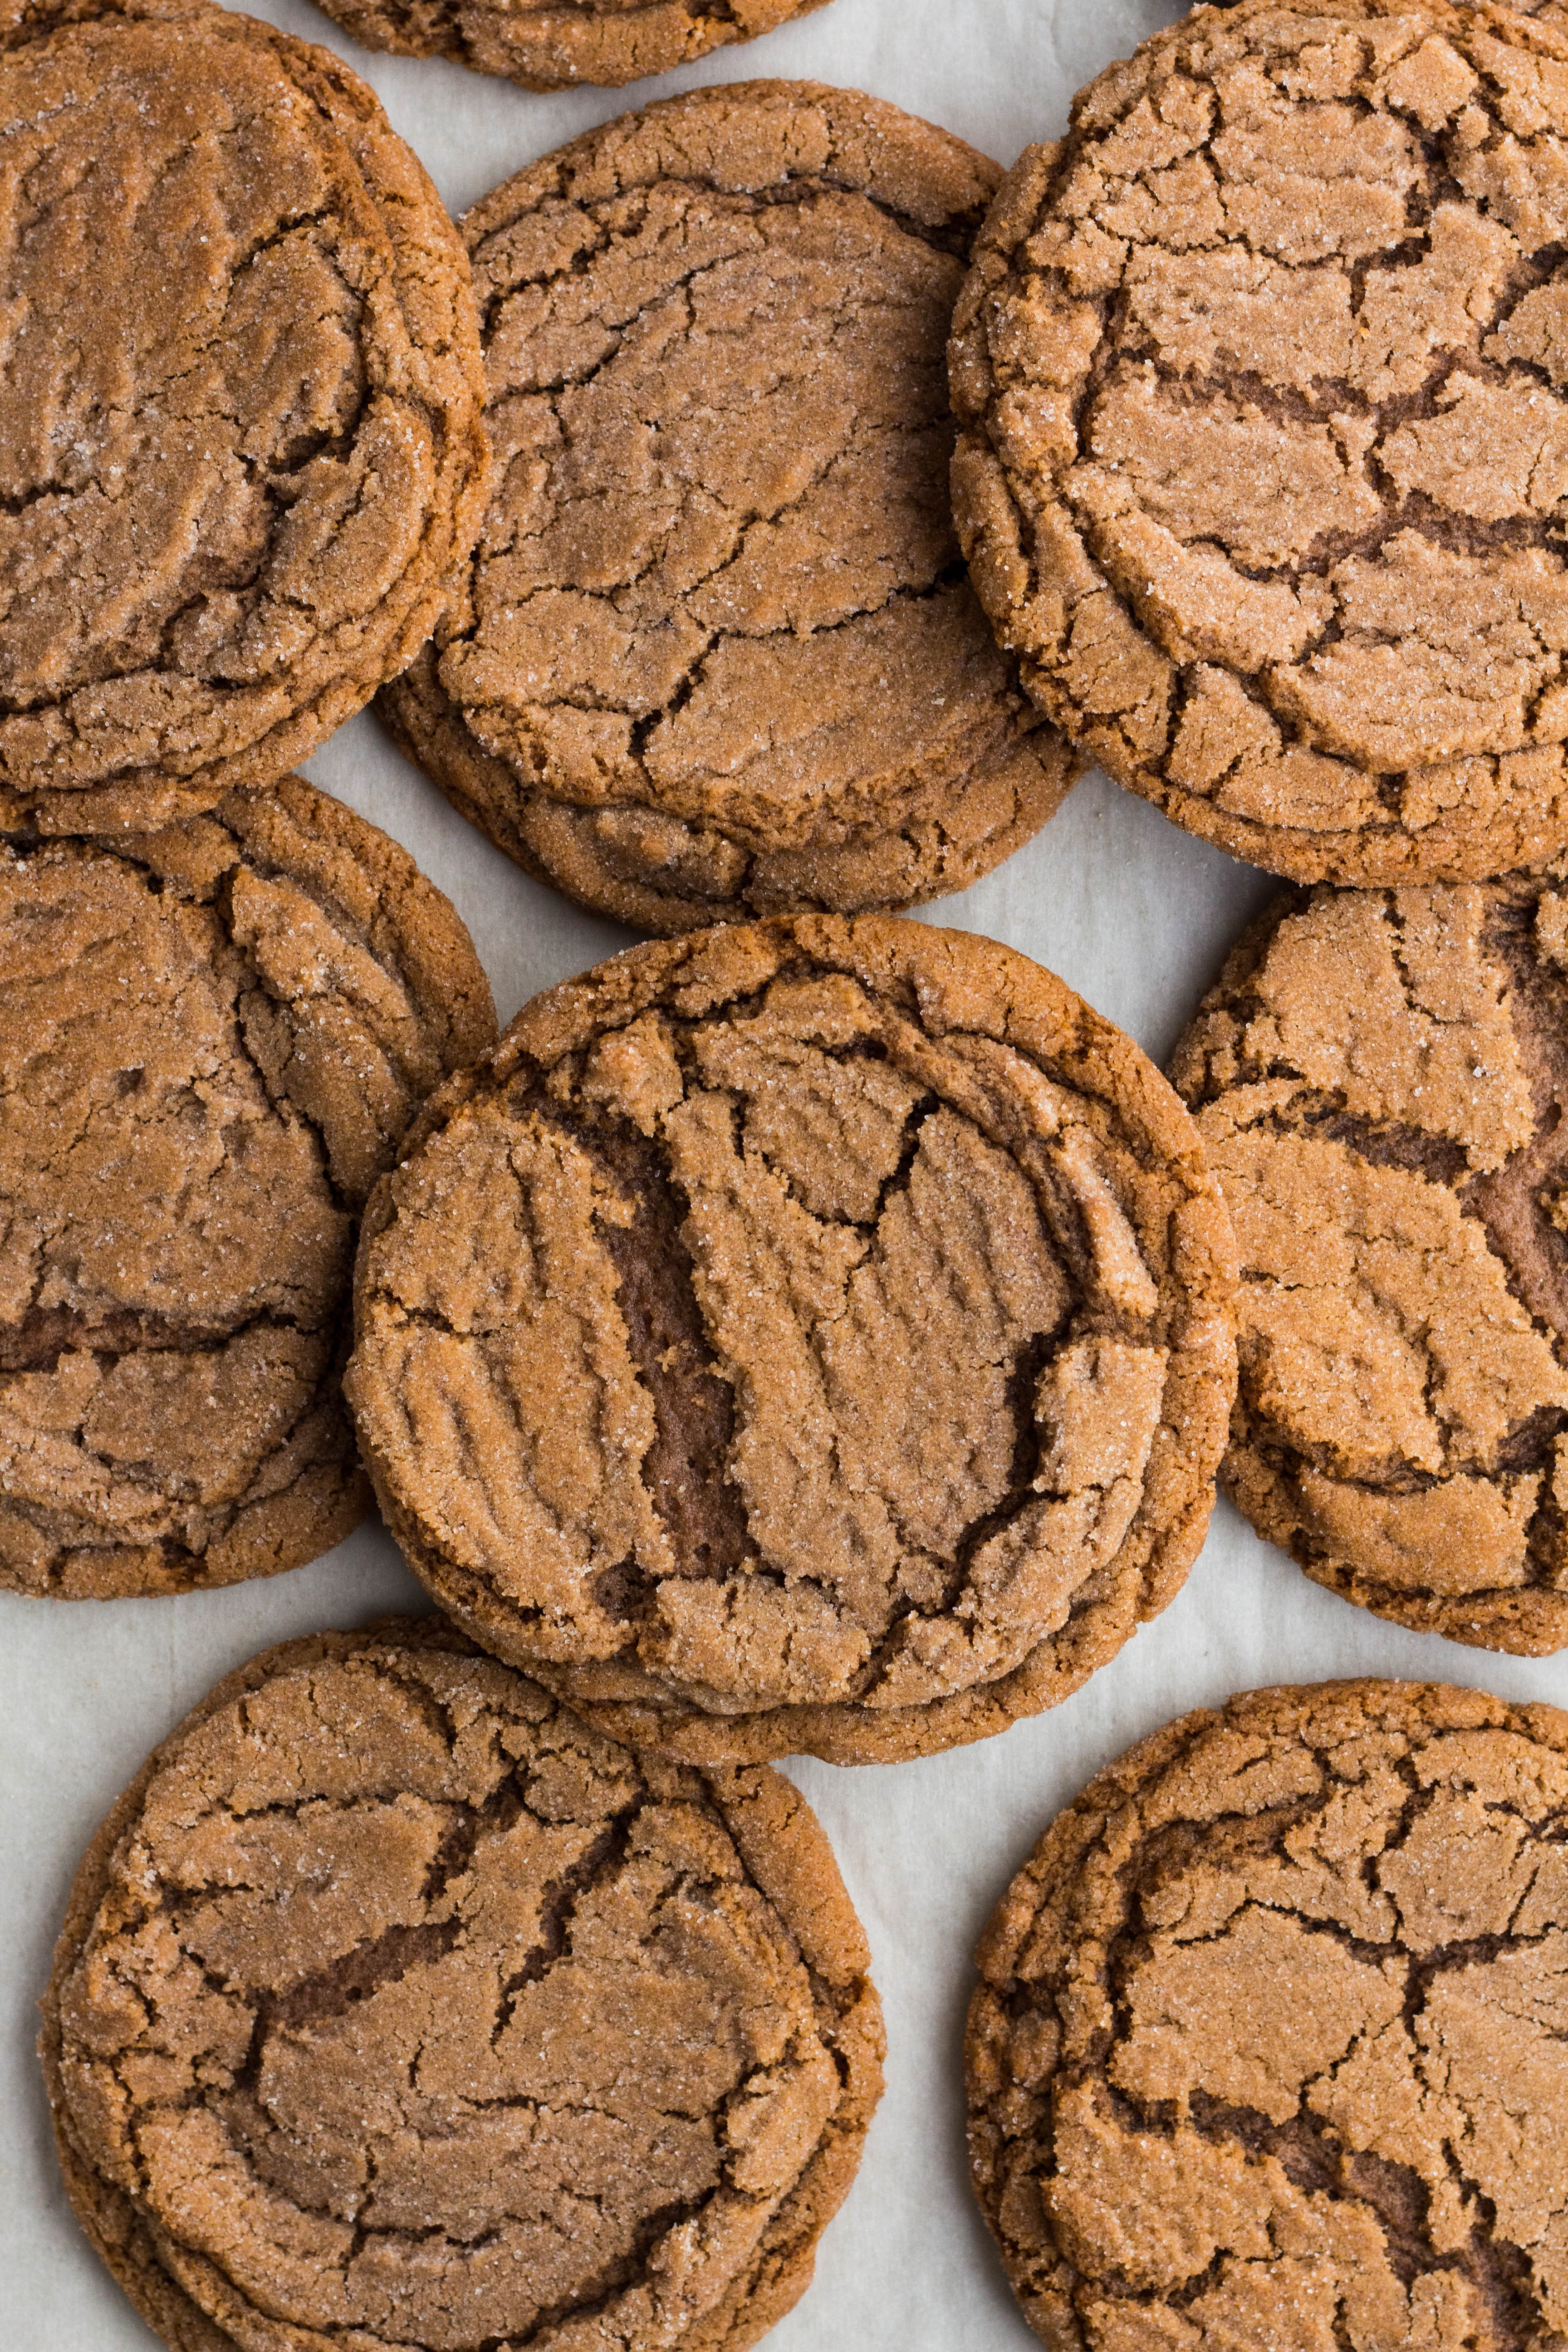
(1129, 910)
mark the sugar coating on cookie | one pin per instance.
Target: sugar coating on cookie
(816, 1334)
(395, 2007)
(1377, 1076)
(556, 44)
(715, 654)
(240, 417)
(211, 1039)
(1268, 2045)
(1262, 376)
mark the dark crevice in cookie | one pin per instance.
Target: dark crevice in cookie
(44, 1334)
(557, 1905)
(1022, 1471)
(685, 1468)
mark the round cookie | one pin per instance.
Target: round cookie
(212, 1038)
(1264, 433)
(715, 654)
(1378, 1078)
(394, 2006)
(556, 44)
(241, 430)
(1269, 2049)
(809, 1334)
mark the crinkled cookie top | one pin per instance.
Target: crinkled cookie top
(815, 1316)
(240, 435)
(715, 653)
(1263, 376)
(1378, 1077)
(558, 43)
(211, 1040)
(1269, 2046)
(395, 2007)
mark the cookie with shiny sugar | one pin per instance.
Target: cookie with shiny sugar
(715, 654)
(395, 2007)
(556, 44)
(211, 1039)
(241, 438)
(1378, 1077)
(1267, 2048)
(1264, 433)
(808, 1334)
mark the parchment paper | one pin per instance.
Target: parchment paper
(1133, 914)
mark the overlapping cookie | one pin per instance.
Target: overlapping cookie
(807, 1335)
(1378, 1077)
(715, 654)
(1264, 444)
(240, 414)
(211, 1039)
(394, 2006)
(1268, 2047)
(556, 44)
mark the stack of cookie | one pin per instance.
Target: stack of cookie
(810, 1331)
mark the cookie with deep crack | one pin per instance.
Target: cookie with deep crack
(396, 2006)
(715, 654)
(1268, 2045)
(1378, 1078)
(212, 1038)
(241, 429)
(557, 44)
(807, 1335)
(1264, 433)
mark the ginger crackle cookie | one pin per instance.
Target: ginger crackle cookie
(395, 2007)
(1268, 2045)
(811, 1335)
(556, 44)
(1264, 433)
(241, 436)
(1378, 1077)
(715, 654)
(211, 1039)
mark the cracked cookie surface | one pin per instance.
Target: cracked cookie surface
(212, 1038)
(715, 654)
(394, 2007)
(814, 1334)
(241, 435)
(1263, 455)
(556, 44)
(1268, 2048)
(1379, 1080)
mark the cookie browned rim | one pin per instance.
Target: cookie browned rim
(622, 1981)
(556, 44)
(228, 521)
(211, 1040)
(715, 654)
(812, 1334)
(1263, 430)
(1269, 2025)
